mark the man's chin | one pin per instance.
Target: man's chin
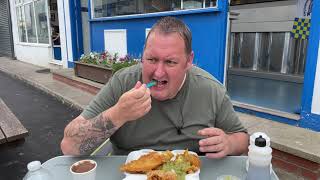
(159, 97)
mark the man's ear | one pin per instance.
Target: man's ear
(190, 60)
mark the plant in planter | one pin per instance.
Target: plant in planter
(99, 67)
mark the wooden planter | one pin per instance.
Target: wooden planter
(92, 72)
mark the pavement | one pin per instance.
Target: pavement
(297, 141)
(45, 118)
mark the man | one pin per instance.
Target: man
(186, 109)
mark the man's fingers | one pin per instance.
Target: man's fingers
(208, 132)
(147, 109)
(146, 96)
(210, 141)
(145, 103)
(217, 155)
(139, 92)
(213, 148)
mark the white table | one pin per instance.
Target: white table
(108, 167)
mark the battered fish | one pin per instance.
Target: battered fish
(147, 162)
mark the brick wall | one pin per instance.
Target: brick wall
(296, 165)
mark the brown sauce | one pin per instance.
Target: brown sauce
(84, 166)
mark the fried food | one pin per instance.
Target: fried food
(183, 164)
(162, 166)
(147, 162)
(161, 175)
(193, 159)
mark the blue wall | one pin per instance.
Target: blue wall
(309, 120)
(208, 28)
(76, 31)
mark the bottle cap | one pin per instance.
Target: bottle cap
(34, 165)
(260, 142)
(256, 135)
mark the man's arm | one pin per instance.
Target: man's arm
(239, 143)
(82, 136)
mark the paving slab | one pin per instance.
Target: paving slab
(44, 81)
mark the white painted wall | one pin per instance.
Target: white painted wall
(37, 55)
(275, 16)
(315, 108)
(115, 41)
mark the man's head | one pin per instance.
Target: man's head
(167, 56)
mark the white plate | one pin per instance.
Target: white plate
(134, 155)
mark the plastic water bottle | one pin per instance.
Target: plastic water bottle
(37, 172)
(259, 157)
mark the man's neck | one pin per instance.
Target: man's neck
(184, 79)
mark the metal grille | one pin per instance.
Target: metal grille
(274, 52)
(6, 45)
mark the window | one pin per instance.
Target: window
(239, 2)
(109, 8)
(275, 52)
(32, 21)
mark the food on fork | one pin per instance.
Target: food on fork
(147, 162)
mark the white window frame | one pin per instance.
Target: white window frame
(21, 5)
(181, 4)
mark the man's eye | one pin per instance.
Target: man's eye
(152, 61)
(171, 63)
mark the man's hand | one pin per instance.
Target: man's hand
(132, 104)
(218, 144)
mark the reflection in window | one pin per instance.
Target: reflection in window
(109, 8)
(32, 21)
(266, 52)
(187, 4)
(239, 2)
(42, 24)
(247, 55)
(21, 25)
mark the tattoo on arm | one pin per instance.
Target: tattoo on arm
(91, 133)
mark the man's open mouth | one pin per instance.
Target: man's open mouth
(160, 83)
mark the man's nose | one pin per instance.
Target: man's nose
(160, 71)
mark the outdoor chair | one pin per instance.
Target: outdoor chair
(105, 149)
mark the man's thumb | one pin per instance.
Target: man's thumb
(138, 84)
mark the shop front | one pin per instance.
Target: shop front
(272, 46)
(121, 27)
(275, 71)
(43, 32)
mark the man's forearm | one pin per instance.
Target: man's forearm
(86, 135)
(239, 143)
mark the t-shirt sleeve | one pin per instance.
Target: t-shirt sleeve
(106, 98)
(227, 119)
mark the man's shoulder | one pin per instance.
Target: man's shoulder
(132, 72)
(201, 76)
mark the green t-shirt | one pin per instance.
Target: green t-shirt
(171, 124)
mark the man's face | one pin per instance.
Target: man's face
(165, 60)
